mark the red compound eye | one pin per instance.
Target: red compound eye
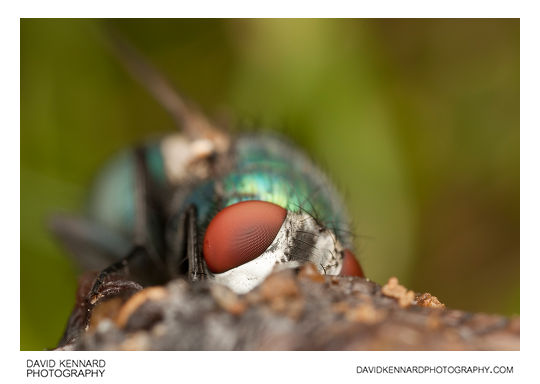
(240, 233)
(351, 266)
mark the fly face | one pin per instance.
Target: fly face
(247, 240)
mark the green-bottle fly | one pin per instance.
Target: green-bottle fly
(206, 205)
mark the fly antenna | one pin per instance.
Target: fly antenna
(187, 117)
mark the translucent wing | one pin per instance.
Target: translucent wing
(92, 246)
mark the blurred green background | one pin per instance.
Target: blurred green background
(417, 121)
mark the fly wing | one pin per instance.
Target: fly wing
(91, 246)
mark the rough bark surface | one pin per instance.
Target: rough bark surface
(291, 310)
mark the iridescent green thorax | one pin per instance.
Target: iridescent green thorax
(263, 167)
(270, 169)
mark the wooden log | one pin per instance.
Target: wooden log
(290, 310)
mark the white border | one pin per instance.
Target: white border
(266, 366)
(271, 8)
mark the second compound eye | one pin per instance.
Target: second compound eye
(351, 267)
(240, 233)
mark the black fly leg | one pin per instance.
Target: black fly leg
(140, 264)
(185, 258)
(120, 265)
(142, 250)
(197, 266)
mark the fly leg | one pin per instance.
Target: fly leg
(197, 266)
(142, 257)
(121, 265)
(142, 251)
(185, 257)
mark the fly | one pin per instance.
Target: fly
(202, 204)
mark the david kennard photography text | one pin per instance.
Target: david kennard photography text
(65, 368)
